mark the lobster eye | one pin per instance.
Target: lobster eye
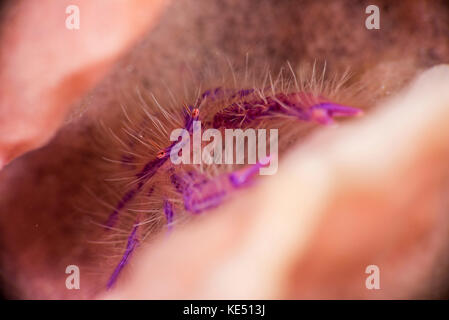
(161, 154)
(195, 112)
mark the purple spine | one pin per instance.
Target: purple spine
(242, 177)
(144, 175)
(327, 111)
(130, 246)
(301, 105)
(168, 210)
